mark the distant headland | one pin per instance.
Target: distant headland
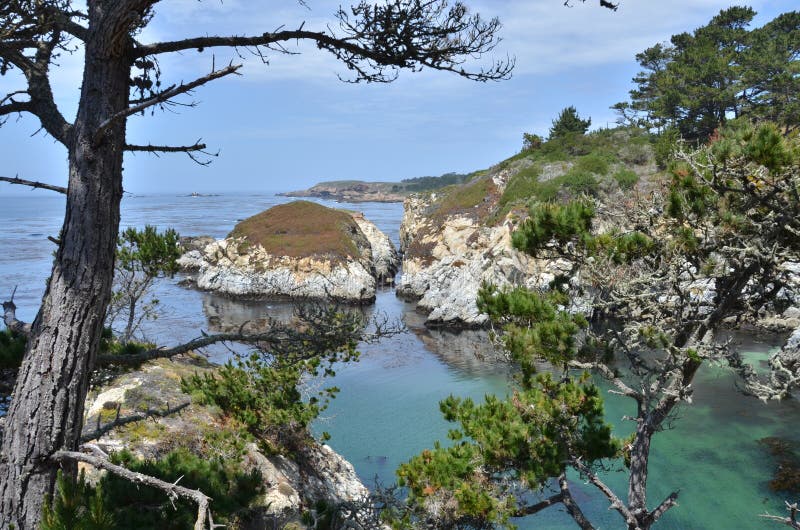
(362, 191)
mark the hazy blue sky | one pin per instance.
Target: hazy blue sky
(291, 123)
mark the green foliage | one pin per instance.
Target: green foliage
(261, 391)
(135, 507)
(148, 251)
(464, 198)
(626, 178)
(664, 146)
(569, 123)
(722, 69)
(528, 437)
(547, 222)
(142, 256)
(418, 184)
(12, 349)
(535, 326)
(76, 506)
(531, 142)
(597, 162)
(591, 157)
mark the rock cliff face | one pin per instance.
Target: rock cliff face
(297, 250)
(447, 259)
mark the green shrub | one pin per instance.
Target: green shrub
(136, 507)
(12, 349)
(597, 162)
(76, 506)
(664, 146)
(626, 178)
(580, 182)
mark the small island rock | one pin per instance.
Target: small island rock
(297, 250)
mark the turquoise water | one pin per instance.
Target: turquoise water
(387, 409)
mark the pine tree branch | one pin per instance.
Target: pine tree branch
(572, 507)
(616, 503)
(149, 148)
(34, 184)
(539, 506)
(666, 504)
(163, 96)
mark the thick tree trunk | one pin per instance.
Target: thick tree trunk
(46, 413)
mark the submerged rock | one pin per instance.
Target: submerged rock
(297, 250)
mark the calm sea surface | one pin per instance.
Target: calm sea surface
(387, 410)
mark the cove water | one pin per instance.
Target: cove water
(387, 410)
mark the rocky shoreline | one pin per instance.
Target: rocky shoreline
(291, 486)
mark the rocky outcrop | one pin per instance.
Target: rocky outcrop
(290, 485)
(447, 259)
(297, 250)
(385, 259)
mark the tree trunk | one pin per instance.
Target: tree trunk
(46, 413)
(637, 484)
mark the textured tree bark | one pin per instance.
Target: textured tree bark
(637, 485)
(47, 407)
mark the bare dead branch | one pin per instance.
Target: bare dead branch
(790, 520)
(34, 184)
(606, 372)
(10, 317)
(132, 418)
(149, 148)
(616, 503)
(192, 151)
(539, 506)
(376, 38)
(163, 96)
(666, 504)
(173, 491)
(15, 107)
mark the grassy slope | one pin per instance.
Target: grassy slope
(302, 229)
(597, 164)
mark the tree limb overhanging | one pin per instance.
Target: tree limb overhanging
(34, 184)
(173, 490)
(163, 96)
(375, 41)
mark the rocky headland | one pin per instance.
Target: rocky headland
(351, 191)
(362, 191)
(298, 250)
(456, 239)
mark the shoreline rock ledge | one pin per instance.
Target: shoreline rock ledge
(296, 250)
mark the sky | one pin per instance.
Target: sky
(291, 123)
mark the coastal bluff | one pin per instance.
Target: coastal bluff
(298, 250)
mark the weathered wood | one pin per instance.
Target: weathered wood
(173, 490)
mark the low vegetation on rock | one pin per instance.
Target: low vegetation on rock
(302, 229)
